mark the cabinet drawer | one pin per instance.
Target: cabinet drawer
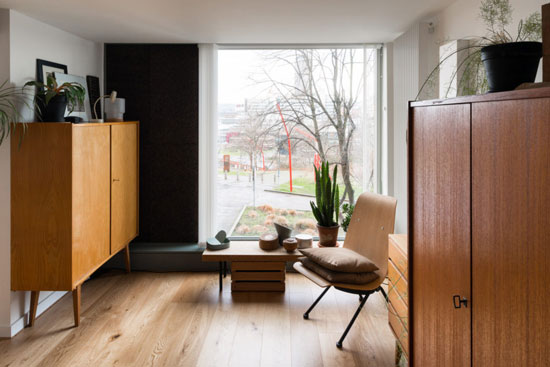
(399, 330)
(397, 282)
(398, 257)
(399, 306)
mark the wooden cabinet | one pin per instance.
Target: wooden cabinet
(479, 229)
(124, 185)
(65, 206)
(398, 299)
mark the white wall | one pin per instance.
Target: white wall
(5, 319)
(414, 57)
(415, 54)
(461, 19)
(30, 39)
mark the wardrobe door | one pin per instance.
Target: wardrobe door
(124, 184)
(439, 231)
(511, 233)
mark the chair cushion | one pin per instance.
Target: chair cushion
(339, 259)
(336, 276)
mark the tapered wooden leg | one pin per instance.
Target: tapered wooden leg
(34, 306)
(76, 305)
(127, 258)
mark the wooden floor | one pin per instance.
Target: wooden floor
(180, 319)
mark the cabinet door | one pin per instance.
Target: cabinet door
(90, 204)
(124, 185)
(439, 228)
(511, 233)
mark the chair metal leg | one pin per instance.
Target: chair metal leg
(363, 301)
(306, 315)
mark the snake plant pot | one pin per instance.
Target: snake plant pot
(328, 236)
(508, 65)
(54, 111)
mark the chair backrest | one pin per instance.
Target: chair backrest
(372, 221)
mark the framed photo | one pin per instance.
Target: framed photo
(45, 68)
(83, 111)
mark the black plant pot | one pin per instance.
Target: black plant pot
(55, 110)
(508, 65)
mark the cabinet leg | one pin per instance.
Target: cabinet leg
(76, 305)
(127, 258)
(34, 306)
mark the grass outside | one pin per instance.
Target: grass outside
(306, 186)
(256, 221)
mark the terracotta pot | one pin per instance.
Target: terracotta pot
(328, 235)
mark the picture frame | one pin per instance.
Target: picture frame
(45, 68)
(84, 111)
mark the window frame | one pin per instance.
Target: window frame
(208, 124)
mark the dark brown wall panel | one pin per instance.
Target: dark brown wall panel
(160, 85)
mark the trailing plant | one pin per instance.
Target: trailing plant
(11, 101)
(74, 92)
(470, 72)
(327, 201)
(347, 211)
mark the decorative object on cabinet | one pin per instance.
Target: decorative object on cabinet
(478, 264)
(94, 93)
(497, 61)
(327, 204)
(114, 110)
(52, 99)
(398, 299)
(112, 98)
(46, 68)
(74, 200)
(372, 221)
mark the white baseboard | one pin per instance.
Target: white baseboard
(19, 324)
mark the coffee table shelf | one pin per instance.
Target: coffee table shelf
(253, 269)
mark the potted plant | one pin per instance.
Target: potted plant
(347, 212)
(53, 99)
(497, 61)
(11, 99)
(327, 205)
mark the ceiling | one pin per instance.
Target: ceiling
(231, 21)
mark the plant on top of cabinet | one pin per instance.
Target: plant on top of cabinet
(53, 98)
(499, 61)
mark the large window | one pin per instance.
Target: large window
(282, 111)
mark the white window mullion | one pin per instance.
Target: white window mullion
(208, 132)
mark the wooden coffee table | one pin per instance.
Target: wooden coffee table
(252, 269)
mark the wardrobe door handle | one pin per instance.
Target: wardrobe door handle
(115, 180)
(457, 302)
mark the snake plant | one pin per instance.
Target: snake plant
(327, 205)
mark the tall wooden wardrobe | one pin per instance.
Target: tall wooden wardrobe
(479, 230)
(74, 203)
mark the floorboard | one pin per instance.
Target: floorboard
(181, 319)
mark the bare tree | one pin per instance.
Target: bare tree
(254, 136)
(320, 101)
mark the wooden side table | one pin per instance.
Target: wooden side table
(252, 269)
